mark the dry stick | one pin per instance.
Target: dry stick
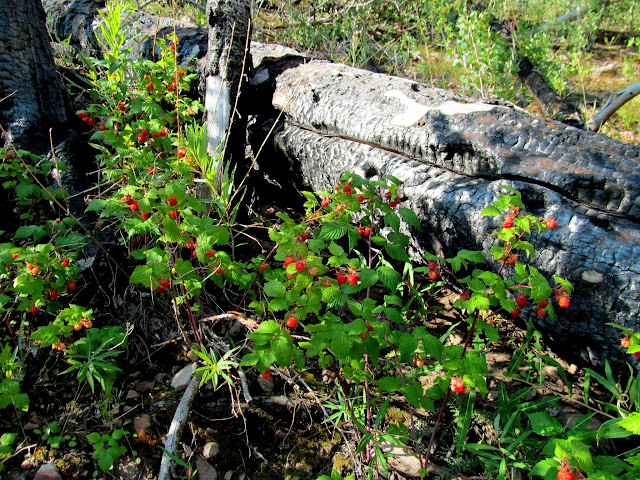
(175, 430)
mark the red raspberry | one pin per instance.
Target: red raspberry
(210, 253)
(342, 278)
(434, 274)
(360, 198)
(458, 385)
(543, 304)
(288, 261)
(541, 312)
(508, 222)
(515, 313)
(172, 201)
(465, 295)
(393, 203)
(53, 294)
(353, 278)
(134, 207)
(263, 267)
(174, 214)
(301, 265)
(325, 202)
(266, 374)
(551, 223)
(145, 215)
(564, 302)
(292, 321)
(521, 301)
(15, 255)
(72, 286)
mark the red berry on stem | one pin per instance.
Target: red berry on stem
(288, 261)
(266, 374)
(325, 202)
(515, 313)
(210, 253)
(521, 301)
(551, 223)
(543, 304)
(174, 214)
(434, 274)
(134, 207)
(72, 286)
(145, 215)
(360, 198)
(172, 201)
(342, 278)
(564, 302)
(542, 312)
(393, 203)
(636, 354)
(263, 267)
(34, 309)
(292, 321)
(508, 222)
(353, 278)
(432, 265)
(15, 255)
(301, 265)
(90, 121)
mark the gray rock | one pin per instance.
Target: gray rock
(211, 449)
(181, 379)
(47, 472)
(206, 471)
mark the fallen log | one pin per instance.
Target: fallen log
(453, 154)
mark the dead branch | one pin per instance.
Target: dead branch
(175, 429)
(615, 102)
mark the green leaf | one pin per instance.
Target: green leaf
(631, 423)
(368, 277)
(96, 205)
(544, 424)
(389, 277)
(410, 217)
(332, 230)
(393, 221)
(490, 211)
(389, 384)
(397, 253)
(274, 288)
(335, 249)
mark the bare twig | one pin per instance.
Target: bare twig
(615, 102)
(175, 429)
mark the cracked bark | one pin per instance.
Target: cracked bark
(32, 96)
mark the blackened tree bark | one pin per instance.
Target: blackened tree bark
(227, 58)
(32, 96)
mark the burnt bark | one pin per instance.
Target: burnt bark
(33, 99)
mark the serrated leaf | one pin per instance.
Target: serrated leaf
(631, 423)
(274, 288)
(408, 345)
(410, 217)
(397, 253)
(278, 304)
(393, 221)
(490, 211)
(544, 424)
(336, 249)
(368, 277)
(332, 230)
(389, 384)
(389, 277)
(96, 205)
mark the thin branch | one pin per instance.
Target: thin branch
(175, 429)
(615, 102)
